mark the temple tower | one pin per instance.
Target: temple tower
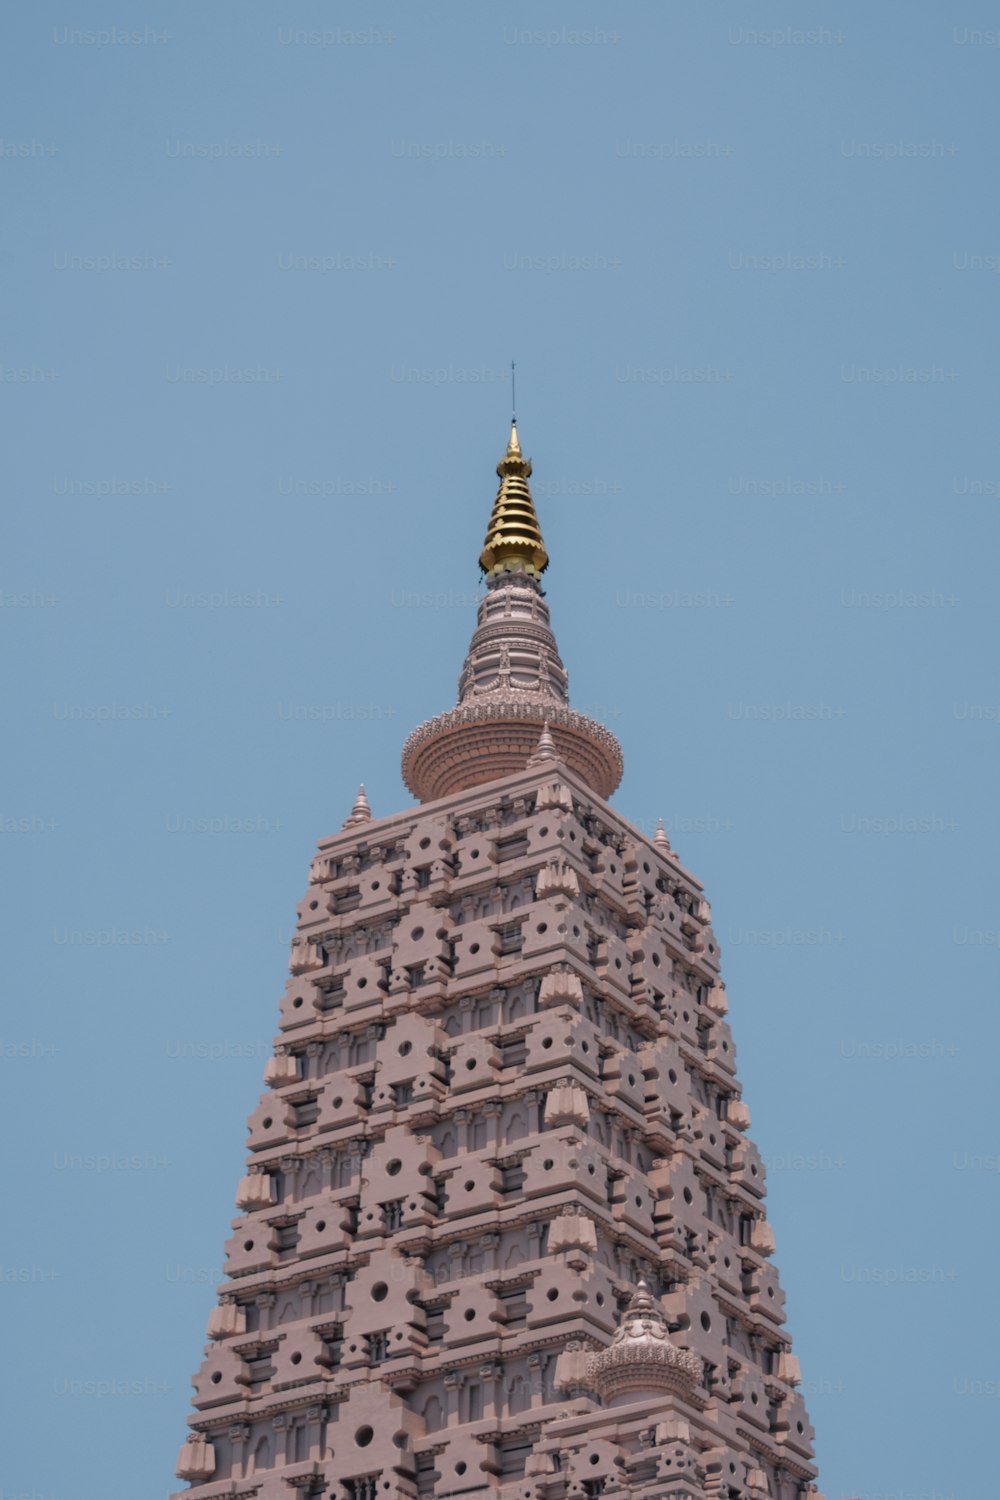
(502, 1231)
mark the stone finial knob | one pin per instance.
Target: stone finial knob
(545, 749)
(660, 837)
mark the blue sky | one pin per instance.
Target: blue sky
(265, 268)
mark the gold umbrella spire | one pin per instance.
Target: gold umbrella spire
(514, 537)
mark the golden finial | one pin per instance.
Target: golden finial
(514, 537)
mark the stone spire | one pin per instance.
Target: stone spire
(513, 682)
(360, 812)
(641, 1358)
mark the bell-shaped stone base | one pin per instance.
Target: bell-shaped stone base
(476, 743)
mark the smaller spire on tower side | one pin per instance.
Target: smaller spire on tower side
(360, 812)
(642, 1358)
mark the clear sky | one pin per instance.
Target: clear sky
(265, 266)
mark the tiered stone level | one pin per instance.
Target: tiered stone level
(504, 1095)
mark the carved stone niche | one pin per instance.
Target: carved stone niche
(567, 1104)
(560, 987)
(196, 1459)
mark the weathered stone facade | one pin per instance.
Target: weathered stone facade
(503, 1228)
